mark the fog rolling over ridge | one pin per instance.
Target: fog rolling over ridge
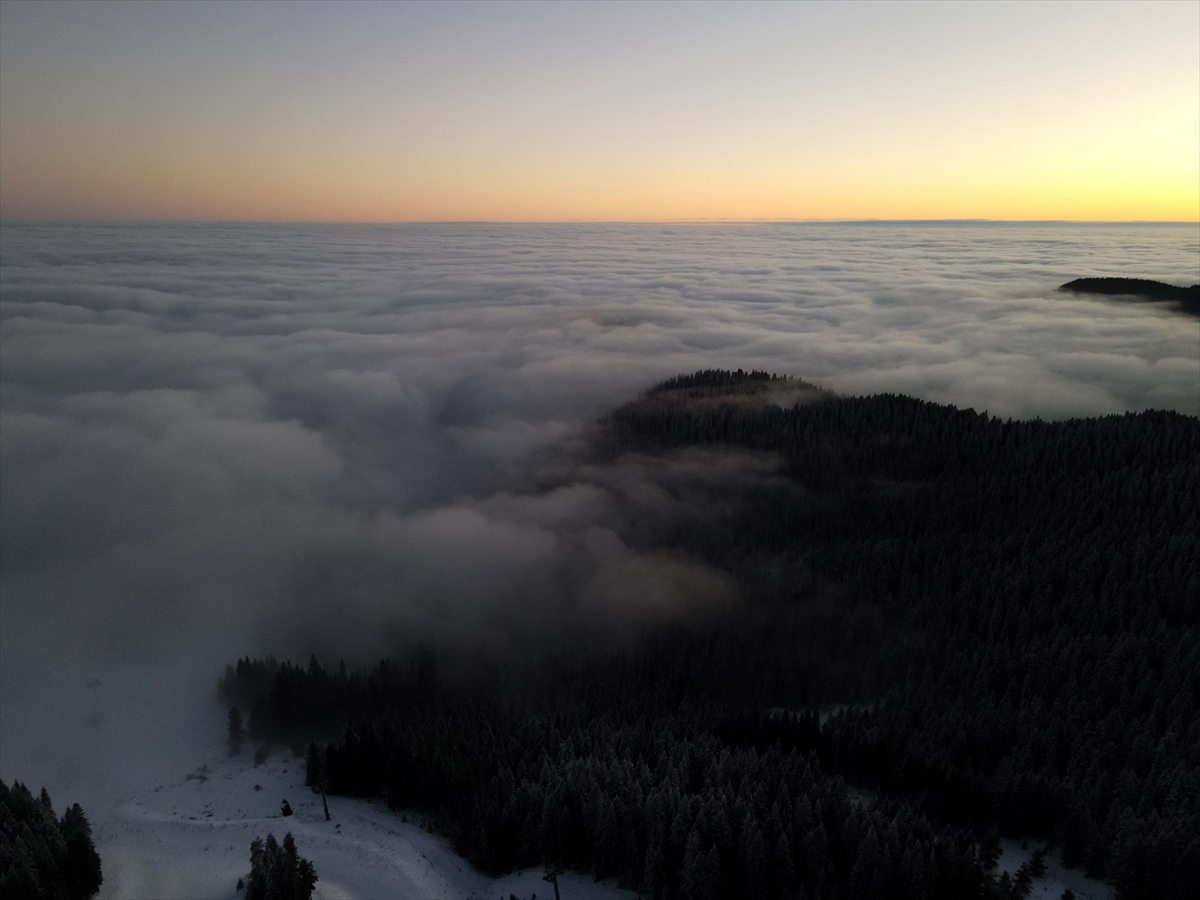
(220, 440)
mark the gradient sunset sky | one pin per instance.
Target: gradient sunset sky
(396, 112)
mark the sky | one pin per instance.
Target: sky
(396, 112)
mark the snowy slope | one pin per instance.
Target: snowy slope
(124, 748)
(1057, 878)
(191, 838)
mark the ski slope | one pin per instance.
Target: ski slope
(190, 838)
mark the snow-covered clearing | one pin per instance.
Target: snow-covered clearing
(190, 838)
(1057, 879)
(124, 748)
(125, 751)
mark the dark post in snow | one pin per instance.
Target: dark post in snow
(95, 718)
(552, 873)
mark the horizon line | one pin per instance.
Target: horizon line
(19, 222)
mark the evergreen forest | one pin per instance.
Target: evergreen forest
(278, 872)
(949, 628)
(43, 856)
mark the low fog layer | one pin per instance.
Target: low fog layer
(221, 440)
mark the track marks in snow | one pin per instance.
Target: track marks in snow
(192, 839)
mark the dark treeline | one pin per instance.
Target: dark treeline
(717, 382)
(42, 856)
(604, 764)
(278, 872)
(1008, 610)
(1188, 297)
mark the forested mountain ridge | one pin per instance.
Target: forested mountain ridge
(1188, 297)
(1041, 588)
(1016, 600)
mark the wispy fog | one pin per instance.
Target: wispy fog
(220, 440)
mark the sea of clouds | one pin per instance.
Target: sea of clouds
(228, 439)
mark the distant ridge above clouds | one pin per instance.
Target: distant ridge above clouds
(1188, 298)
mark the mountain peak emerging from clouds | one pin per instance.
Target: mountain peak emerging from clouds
(1188, 298)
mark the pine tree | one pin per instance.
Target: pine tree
(868, 878)
(81, 862)
(279, 873)
(314, 774)
(237, 732)
(42, 856)
(753, 859)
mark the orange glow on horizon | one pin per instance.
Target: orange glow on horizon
(401, 192)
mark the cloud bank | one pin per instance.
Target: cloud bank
(219, 440)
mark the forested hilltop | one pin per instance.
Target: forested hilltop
(1185, 298)
(1002, 615)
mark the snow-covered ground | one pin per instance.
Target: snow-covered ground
(126, 749)
(190, 838)
(1057, 879)
(143, 751)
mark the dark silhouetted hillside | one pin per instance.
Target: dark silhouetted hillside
(1004, 612)
(1188, 298)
